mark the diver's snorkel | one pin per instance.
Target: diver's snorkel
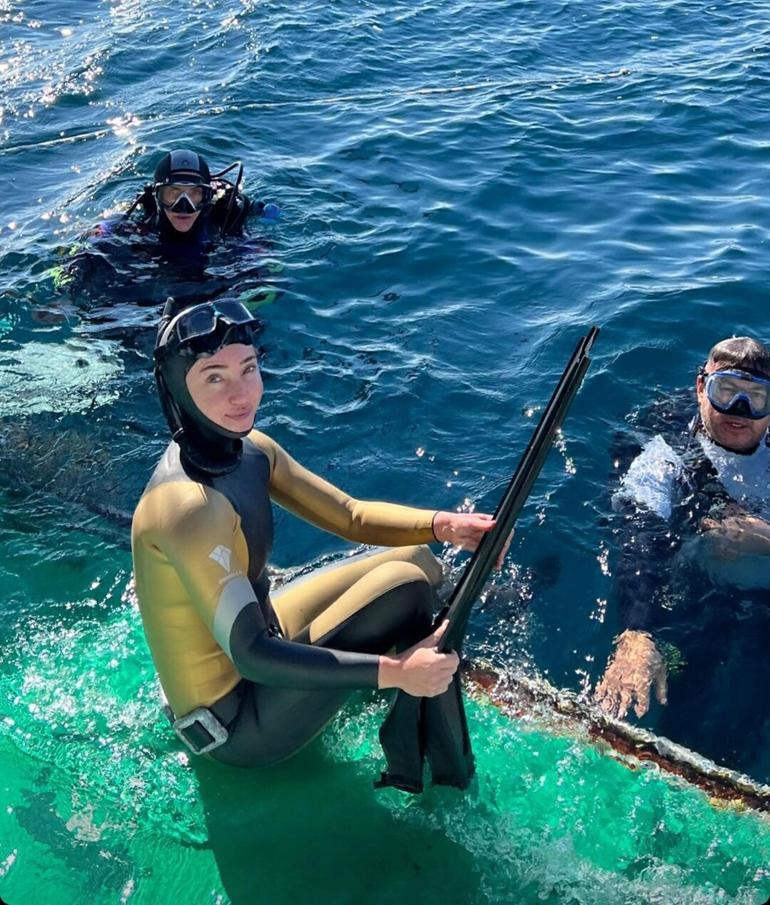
(231, 189)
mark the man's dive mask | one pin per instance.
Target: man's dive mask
(738, 393)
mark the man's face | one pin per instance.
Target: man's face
(731, 431)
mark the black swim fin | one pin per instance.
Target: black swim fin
(447, 740)
(402, 740)
(435, 729)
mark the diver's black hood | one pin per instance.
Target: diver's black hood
(182, 164)
(206, 448)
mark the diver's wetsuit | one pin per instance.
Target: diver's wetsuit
(273, 670)
(711, 614)
(107, 267)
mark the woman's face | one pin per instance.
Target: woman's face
(227, 387)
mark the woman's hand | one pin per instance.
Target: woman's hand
(465, 530)
(420, 671)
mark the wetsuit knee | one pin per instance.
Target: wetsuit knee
(422, 556)
(393, 594)
(385, 610)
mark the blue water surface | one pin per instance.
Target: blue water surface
(464, 188)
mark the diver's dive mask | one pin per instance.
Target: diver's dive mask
(205, 328)
(738, 393)
(183, 197)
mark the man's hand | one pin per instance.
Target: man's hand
(635, 666)
(465, 530)
(737, 535)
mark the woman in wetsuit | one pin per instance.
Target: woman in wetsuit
(251, 677)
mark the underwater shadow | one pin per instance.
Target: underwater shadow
(312, 830)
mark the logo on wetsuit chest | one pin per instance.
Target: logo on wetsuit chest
(221, 555)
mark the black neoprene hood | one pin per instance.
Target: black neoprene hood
(182, 166)
(208, 446)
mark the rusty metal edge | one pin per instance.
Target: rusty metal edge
(562, 710)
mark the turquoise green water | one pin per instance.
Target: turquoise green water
(101, 805)
(464, 188)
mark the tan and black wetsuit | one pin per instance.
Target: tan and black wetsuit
(274, 671)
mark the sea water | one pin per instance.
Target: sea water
(464, 188)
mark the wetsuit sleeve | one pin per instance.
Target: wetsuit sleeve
(643, 507)
(317, 501)
(200, 542)
(646, 548)
(94, 259)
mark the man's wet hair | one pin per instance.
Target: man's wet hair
(741, 353)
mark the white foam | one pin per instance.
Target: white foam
(650, 478)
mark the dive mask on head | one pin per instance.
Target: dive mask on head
(200, 330)
(205, 328)
(738, 393)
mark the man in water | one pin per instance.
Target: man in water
(694, 569)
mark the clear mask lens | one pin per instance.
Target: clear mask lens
(739, 393)
(180, 196)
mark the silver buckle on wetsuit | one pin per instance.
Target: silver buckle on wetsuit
(206, 721)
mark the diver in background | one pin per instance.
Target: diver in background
(692, 581)
(252, 676)
(186, 204)
(161, 245)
